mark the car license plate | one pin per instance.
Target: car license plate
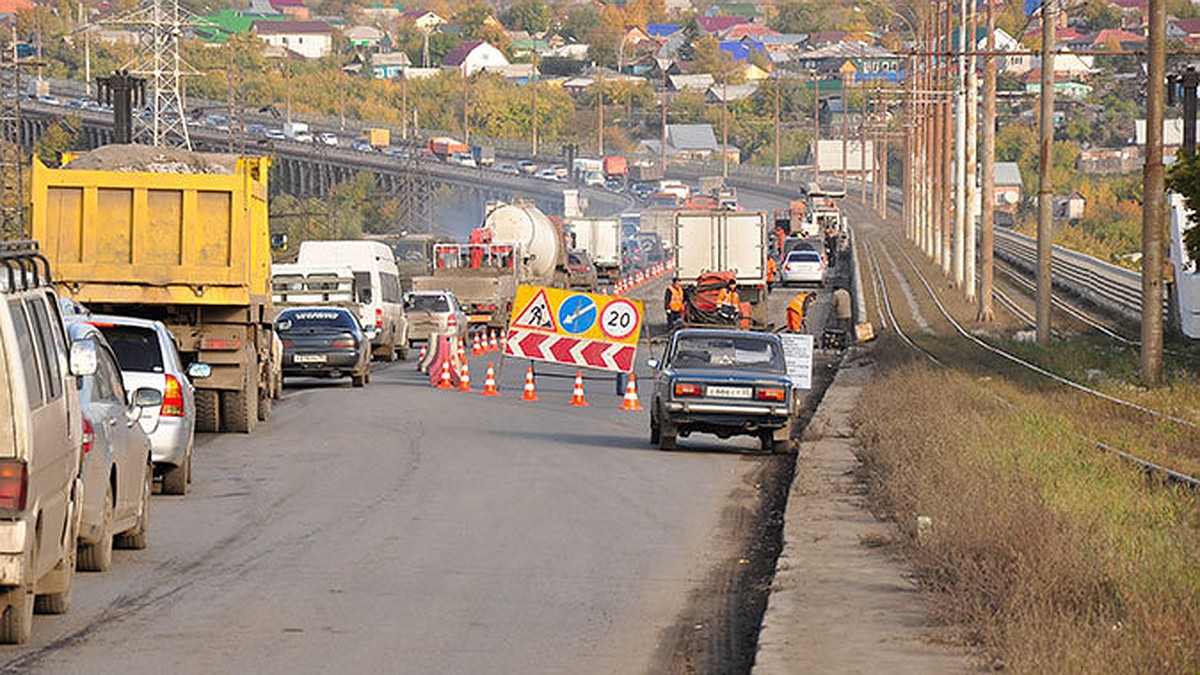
(728, 392)
(310, 358)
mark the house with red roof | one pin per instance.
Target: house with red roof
(1186, 30)
(295, 9)
(751, 30)
(1114, 39)
(718, 25)
(473, 56)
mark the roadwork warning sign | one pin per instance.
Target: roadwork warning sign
(573, 328)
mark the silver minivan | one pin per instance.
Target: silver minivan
(41, 431)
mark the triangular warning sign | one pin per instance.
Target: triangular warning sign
(537, 314)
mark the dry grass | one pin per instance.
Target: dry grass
(1053, 557)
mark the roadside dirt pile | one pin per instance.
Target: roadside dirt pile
(153, 160)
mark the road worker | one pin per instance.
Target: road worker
(797, 312)
(843, 310)
(729, 296)
(772, 270)
(673, 303)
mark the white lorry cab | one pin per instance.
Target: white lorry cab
(376, 289)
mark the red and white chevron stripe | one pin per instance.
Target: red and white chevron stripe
(573, 351)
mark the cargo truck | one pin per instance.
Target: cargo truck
(616, 166)
(601, 238)
(128, 233)
(443, 147)
(484, 155)
(725, 241)
(645, 173)
(379, 138)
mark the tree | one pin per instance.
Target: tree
(796, 17)
(533, 16)
(64, 135)
(580, 23)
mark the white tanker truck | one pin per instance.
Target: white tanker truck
(517, 244)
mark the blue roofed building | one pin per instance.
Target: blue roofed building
(661, 31)
(740, 50)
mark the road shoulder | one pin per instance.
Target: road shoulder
(840, 602)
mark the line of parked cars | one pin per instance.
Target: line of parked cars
(92, 408)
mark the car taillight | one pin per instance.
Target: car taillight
(770, 394)
(378, 318)
(89, 436)
(13, 484)
(287, 344)
(685, 389)
(788, 267)
(343, 343)
(215, 344)
(172, 405)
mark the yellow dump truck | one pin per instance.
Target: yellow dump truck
(179, 237)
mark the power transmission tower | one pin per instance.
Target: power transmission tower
(12, 180)
(160, 25)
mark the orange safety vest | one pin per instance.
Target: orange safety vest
(676, 302)
(728, 297)
(795, 312)
(770, 269)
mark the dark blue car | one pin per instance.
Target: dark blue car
(723, 382)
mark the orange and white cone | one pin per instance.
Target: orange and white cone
(489, 382)
(494, 345)
(424, 351)
(631, 397)
(504, 343)
(476, 350)
(464, 377)
(445, 383)
(530, 392)
(462, 351)
(577, 394)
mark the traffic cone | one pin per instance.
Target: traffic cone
(446, 383)
(464, 377)
(476, 350)
(504, 343)
(530, 393)
(577, 394)
(462, 351)
(489, 382)
(424, 351)
(494, 345)
(631, 397)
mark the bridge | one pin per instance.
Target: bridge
(313, 169)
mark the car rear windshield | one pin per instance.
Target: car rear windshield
(315, 321)
(804, 256)
(430, 303)
(137, 348)
(729, 352)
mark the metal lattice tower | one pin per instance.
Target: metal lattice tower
(160, 25)
(12, 179)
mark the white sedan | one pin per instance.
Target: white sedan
(803, 267)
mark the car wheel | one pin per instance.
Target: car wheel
(135, 537)
(666, 434)
(97, 557)
(655, 431)
(174, 481)
(208, 417)
(16, 621)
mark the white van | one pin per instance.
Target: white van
(376, 289)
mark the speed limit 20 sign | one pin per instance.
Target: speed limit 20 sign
(574, 328)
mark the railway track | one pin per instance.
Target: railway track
(904, 278)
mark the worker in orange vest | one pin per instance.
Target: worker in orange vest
(772, 270)
(797, 312)
(729, 296)
(673, 303)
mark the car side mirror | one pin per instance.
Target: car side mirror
(83, 358)
(199, 371)
(653, 363)
(146, 397)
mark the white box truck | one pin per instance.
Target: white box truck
(732, 241)
(601, 238)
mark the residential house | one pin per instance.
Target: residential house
(740, 50)
(382, 12)
(389, 65)
(730, 93)
(826, 37)
(867, 62)
(216, 28)
(1184, 30)
(661, 31)
(678, 7)
(636, 37)
(574, 51)
(1014, 59)
(309, 39)
(1071, 207)
(527, 45)
(1006, 176)
(697, 82)
(293, 9)
(1109, 160)
(422, 19)
(749, 30)
(1071, 66)
(473, 56)
(717, 26)
(783, 42)
(746, 10)
(1064, 87)
(692, 141)
(1116, 39)
(364, 37)
(1172, 137)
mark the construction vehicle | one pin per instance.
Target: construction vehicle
(714, 247)
(443, 147)
(517, 244)
(645, 173)
(179, 237)
(379, 138)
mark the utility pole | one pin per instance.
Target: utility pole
(862, 142)
(1153, 196)
(535, 103)
(775, 78)
(845, 131)
(1045, 233)
(958, 262)
(939, 193)
(725, 125)
(466, 124)
(972, 156)
(987, 260)
(600, 139)
(816, 153)
(404, 103)
(662, 159)
(947, 145)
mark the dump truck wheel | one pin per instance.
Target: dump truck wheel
(264, 405)
(239, 410)
(208, 417)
